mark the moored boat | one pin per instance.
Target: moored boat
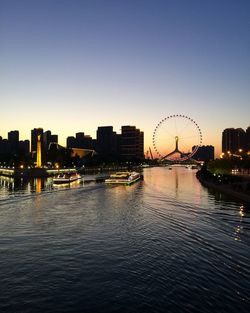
(123, 178)
(66, 178)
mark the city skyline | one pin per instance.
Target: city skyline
(95, 136)
(72, 67)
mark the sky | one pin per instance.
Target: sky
(73, 65)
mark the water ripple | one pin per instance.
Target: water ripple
(162, 245)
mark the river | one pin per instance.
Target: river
(164, 244)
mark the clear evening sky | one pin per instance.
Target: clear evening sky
(74, 65)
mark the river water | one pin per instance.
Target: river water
(165, 244)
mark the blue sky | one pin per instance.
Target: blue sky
(74, 65)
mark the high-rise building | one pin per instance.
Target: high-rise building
(131, 143)
(204, 153)
(233, 139)
(5, 147)
(71, 142)
(228, 140)
(248, 139)
(80, 141)
(83, 141)
(240, 139)
(48, 138)
(13, 138)
(54, 139)
(106, 142)
(24, 147)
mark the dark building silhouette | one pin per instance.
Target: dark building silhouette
(106, 142)
(83, 141)
(54, 139)
(110, 146)
(228, 140)
(13, 138)
(131, 143)
(34, 133)
(48, 138)
(248, 139)
(233, 139)
(240, 139)
(204, 153)
(71, 142)
(80, 141)
(24, 147)
(5, 147)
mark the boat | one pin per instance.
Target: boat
(66, 178)
(123, 178)
(192, 167)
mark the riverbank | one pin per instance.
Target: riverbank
(47, 172)
(234, 186)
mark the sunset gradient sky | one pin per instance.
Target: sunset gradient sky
(74, 65)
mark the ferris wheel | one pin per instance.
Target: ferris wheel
(176, 138)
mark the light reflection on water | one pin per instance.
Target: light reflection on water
(164, 244)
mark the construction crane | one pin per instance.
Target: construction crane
(151, 153)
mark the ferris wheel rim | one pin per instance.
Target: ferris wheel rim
(187, 156)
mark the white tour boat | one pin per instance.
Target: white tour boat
(66, 178)
(123, 178)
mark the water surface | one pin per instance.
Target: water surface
(164, 244)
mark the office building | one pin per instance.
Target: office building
(234, 140)
(5, 147)
(24, 147)
(131, 143)
(13, 138)
(248, 139)
(80, 141)
(204, 153)
(48, 138)
(106, 142)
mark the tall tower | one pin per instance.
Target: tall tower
(39, 152)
